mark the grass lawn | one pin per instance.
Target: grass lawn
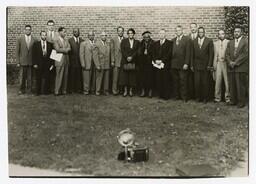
(78, 133)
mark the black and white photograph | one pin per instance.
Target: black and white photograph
(128, 91)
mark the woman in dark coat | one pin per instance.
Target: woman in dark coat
(129, 50)
(145, 67)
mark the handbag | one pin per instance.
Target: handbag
(129, 66)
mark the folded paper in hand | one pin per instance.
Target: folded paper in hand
(56, 56)
(159, 66)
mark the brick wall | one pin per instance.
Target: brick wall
(108, 18)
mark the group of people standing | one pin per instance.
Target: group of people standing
(185, 66)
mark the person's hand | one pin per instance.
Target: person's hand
(232, 64)
(51, 68)
(35, 66)
(98, 68)
(192, 68)
(83, 68)
(129, 59)
(18, 65)
(185, 67)
(209, 68)
(158, 62)
(113, 63)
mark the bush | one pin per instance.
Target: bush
(236, 16)
(12, 74)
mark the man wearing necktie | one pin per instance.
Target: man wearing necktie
(220, 67)
(116, 57)
(237, 55)
(89, 60)
(52, 36)
(42, 64)
(24, 60)
(201, 64)
(61, 45)
(180, 64)
(190, 81)
(162, 55)
(75, 71)
(102, 75)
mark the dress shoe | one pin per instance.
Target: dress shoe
(125, 94)
(106, 93)
(231, 103)
(142, 94)
(150, 94)
(241, 105)
(130, 93)
(21, 92)
(97, 93)
(86, 93)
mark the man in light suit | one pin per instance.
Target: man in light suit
(24, 47)
(201, 64)
(89, 59)
(220, 67)
(42, 63)
(102, 75)
(180, 64)
(116, 57)
(75, 71)
(237, 56)
(61, 45)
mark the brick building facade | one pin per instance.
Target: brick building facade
(108, 18)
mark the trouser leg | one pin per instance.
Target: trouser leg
(58, 79)
(115, 80)
(225, 77)
(176, 86)
(183, 84)
(218, 83)
(99, 77)
(232, 85)
(106, 81)
(197, 84)
(241, 87)
(23, 73)
(65, 78)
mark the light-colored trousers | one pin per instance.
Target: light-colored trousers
(115, 77)
(89, 80)
(220, 74)
(102, 76)
(61, 79)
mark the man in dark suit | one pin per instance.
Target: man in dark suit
(180, 64)
(190, 83)
(42, 63)
(75, 70)
(24, 47)
(161, 61)
(201, 64)
(238, 61)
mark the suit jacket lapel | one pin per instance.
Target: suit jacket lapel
(204, 43)
(240, 45)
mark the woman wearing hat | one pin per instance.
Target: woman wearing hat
(129, 50)
(145, 67)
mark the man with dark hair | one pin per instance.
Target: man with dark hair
(237, 55)
(180, 64)
(75, 71)
(42, 63)
(24, 47)
(51, 34)
(61, 45)
(116, 57)
(201, 64)
(220, 67)
(89, 59)
(190, 82)
(162, 53)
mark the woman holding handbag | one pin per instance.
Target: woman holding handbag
(129, 50)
